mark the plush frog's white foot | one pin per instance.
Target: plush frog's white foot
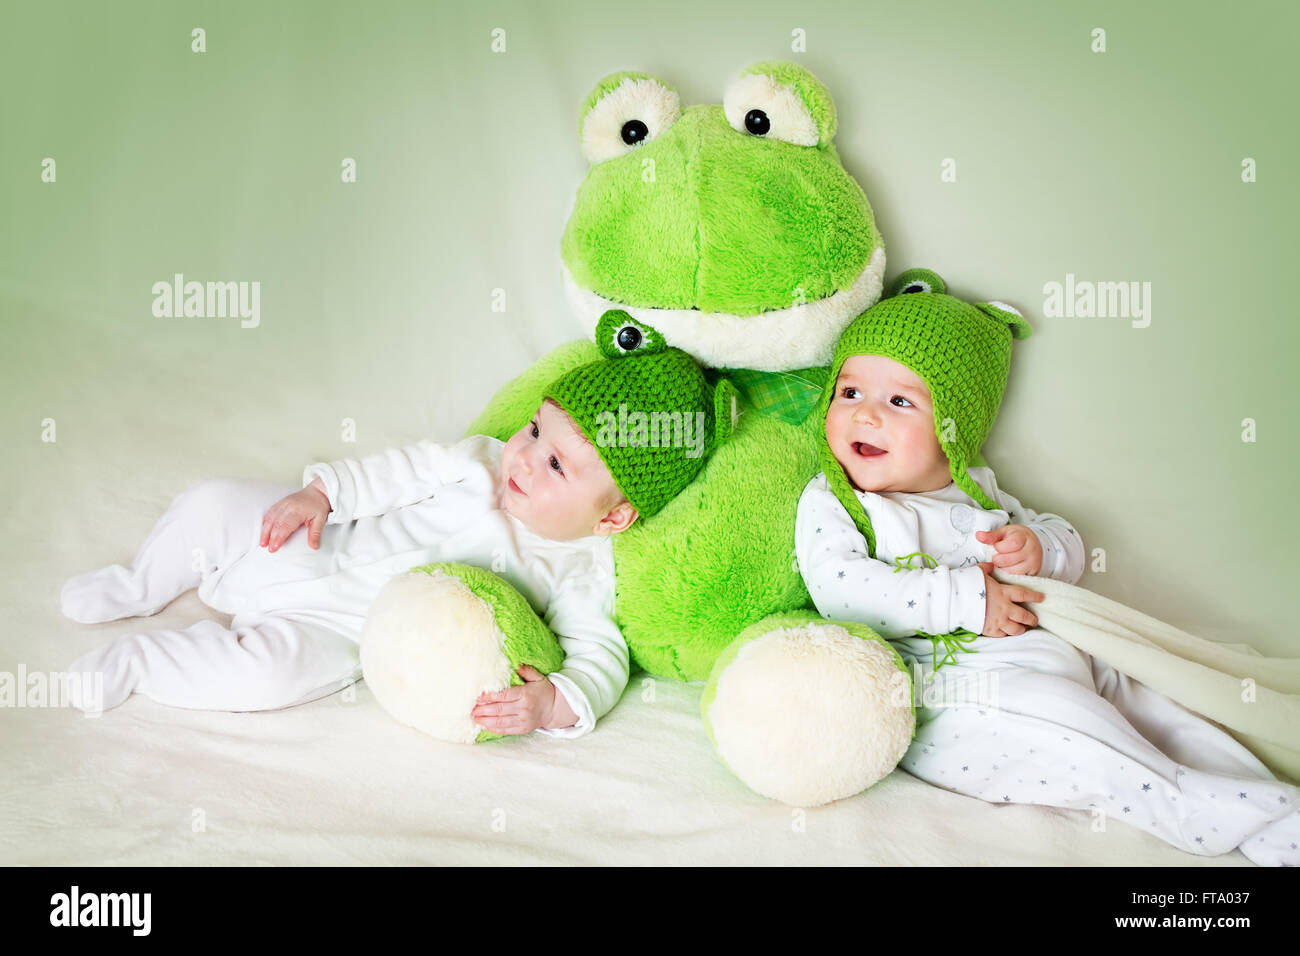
(806, 712)
(438, 636)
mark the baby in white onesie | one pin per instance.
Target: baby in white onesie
(1016, 715)
(298, 569)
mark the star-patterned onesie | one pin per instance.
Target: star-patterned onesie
(1031, 718)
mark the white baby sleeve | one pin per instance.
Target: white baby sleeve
(595, 671)
(846, 583)
(395, 477)
(1063, 551)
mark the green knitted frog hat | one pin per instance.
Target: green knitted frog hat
(647, 409)
(961, 351)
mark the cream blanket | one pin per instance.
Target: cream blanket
(1255, 698)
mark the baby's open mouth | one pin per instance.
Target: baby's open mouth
(516, 488)
(864, 450)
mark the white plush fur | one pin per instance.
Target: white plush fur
(795, 337)
(646, 100)
(429, 647)
(790, 120)
(811, 714)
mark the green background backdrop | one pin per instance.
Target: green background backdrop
(376, 296)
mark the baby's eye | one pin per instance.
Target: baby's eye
(900, 398)
(849, 388)
(532, 426)
(555, 463)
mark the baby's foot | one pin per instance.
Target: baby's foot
(104, 595)
(1278, 844)
(1230, 809)
(105, 677)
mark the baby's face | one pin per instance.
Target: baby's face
(880, 427)
(556, 483)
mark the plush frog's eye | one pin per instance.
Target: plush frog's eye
(619, 335)
(624, 111)
(781, 101)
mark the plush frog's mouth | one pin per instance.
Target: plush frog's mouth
(799, 336)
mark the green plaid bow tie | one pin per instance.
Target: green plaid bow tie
(785, 396)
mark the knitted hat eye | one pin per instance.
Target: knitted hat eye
(629, 337)
(619, 335)
(1019, 328)
(917, 280)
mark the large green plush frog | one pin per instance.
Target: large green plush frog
(736, 233)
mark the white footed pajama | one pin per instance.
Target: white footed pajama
(1030, 718)
(298, 612)
(263, 661)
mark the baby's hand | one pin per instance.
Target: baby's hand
(310, 506)
(1003, 617)
(1018, 549)
(521, 710)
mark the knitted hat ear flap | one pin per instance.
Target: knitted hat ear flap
(836, 476)
(843, 490)
(961, 429)
(962, 479)
(958, 454)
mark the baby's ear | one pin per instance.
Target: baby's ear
(625, 516)
(1020, 329)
